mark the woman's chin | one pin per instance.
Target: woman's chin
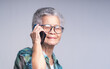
(51, 43)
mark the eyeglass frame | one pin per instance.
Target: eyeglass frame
(62, 28)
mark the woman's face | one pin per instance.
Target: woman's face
(51, 38)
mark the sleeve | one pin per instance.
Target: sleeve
(19, 62)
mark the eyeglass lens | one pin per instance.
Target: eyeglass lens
(48, 28)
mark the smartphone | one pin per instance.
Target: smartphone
(42, 35)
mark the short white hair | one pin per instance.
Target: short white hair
(37, 18)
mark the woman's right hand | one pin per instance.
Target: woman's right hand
(38, 60)
(35, 34)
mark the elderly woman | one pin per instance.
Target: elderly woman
(47, 28)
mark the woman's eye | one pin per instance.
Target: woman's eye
(47, 27)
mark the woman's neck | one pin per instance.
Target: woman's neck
(48, 49)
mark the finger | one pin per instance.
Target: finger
(40, 29)
(35, 27)
(31, 34)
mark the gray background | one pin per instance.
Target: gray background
(85, 43)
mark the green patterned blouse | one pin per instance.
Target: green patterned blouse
(24, 57)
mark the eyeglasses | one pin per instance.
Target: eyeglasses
(57, 29)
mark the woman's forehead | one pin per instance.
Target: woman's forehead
(52, 20)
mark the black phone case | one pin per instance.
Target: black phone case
(42, 35)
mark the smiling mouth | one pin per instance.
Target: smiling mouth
(51, 37)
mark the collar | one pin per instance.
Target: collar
(47, 59)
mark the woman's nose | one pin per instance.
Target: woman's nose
(52, 31)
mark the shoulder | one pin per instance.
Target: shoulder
(23, 58)
(25, 53)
